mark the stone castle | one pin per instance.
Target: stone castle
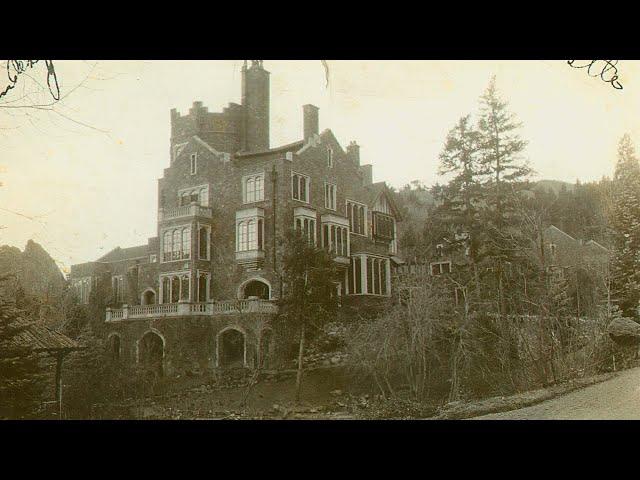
(200, 294)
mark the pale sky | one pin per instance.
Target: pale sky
(86, 173)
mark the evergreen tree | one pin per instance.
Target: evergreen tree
(625, 223)
(505, 174)
(460, 199)
(310, 296)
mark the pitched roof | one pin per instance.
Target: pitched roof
(283, 148)
(375, 190)
(40, 338)
(118, 254)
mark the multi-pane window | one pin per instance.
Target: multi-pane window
(383, 226)
(249, 234)
(335, 238)
(253, 188)
(199, 195)
(194, 163)
(307, 226)
(440, 268)
(357, 215)
(176, 244)
(117, 287)
(330, 196)
(329, 157)
(368, 275)
(175, 287)
(300, 185)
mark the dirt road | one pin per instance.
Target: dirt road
(615, 399)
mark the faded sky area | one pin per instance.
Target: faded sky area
(80, 176)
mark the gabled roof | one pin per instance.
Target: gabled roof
(376, 190)
(118, 254)
(556, 229)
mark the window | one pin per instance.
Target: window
(253, 188)
(82, 289)
(194, 163)
(440, 268)
(307, 227)
(330, 196)
(357, 215)
(249, 234)
(439, 250)
(383, 226)
(176, 244)
(175, 287)
(368, 275)
(553, 248)
(117, 288)
(300, 185)
(329, 157)
(199, 195)
(204, 234)
(335, 239)
(204, 279)
(153, 258)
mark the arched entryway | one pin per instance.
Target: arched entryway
(255, 288)
(148, 297)
(151, 352)
(232, 347)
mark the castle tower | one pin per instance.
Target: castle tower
(255, 100)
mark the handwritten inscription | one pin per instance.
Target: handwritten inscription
(15, 68)
(605, 69)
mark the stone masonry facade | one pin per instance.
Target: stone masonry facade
(201, 293)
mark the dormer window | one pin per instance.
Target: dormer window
(194, 163)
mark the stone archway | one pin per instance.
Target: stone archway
(148, 297)
(255, 288)
(151, 352)
(232, 348)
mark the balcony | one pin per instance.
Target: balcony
(188, 309)
(192, 210)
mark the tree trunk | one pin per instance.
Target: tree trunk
(300, 356)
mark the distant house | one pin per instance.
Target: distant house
(561, 251)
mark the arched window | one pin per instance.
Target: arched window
(251, 190)
(251, 235)
(259, 186)
(114, 347)
(260, 234)
(202, 288)
(361, 214)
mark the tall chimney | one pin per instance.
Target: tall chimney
(255, 100)
(310, 121)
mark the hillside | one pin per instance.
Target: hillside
(36, 271)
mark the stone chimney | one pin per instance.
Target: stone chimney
(353, 153)
(310, 121)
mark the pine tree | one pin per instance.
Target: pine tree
(505, 174)
(460, 198)
(625, 224)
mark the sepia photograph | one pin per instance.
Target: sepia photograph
(319, 240)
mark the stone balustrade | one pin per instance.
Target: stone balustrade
(191, 210)
(184, 309)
